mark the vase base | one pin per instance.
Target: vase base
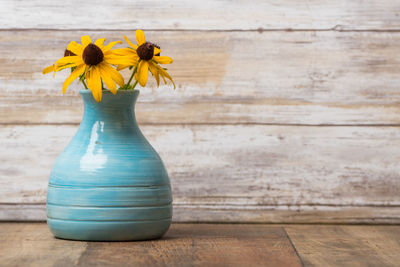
(108, 230)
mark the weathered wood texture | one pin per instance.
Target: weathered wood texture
(343, 245)
(258, 168)
(32, 244)
(288, 78)
(204, 15)
(183, 245)
(285, 111)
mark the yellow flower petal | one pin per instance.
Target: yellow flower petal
(159, 69)
(163, 59)
(115, 75)
(87, 71)
(130, 43)
(85, 40)
(57, 68)
(99, 42)
(121, 67)
(106, 77)
(154, 71)
(75, 74)
(163, 74)
(68, 60)
(94, 83)
(143, 72)
(75, 48)
(48, 69)
(140, 39)
(163, 77)
(124, 52)
(118, 60)
(109, 46)
(156, 51)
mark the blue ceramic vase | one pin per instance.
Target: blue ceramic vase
(109, 184)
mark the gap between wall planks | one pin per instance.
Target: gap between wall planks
(337, 68)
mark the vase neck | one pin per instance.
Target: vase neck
(113, 109)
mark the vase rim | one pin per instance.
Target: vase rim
(87, 91)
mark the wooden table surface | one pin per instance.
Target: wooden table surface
(31, 244)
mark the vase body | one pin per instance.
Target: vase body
(109, 184)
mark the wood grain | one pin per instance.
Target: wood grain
(210, 245)
(252, 168)
(290, 78)
(344, 245)
(34, 245)
(183, 245)
(204, 15)
(285, 111)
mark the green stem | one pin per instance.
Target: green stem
(133, 74)
(134, 85)
(84, 84)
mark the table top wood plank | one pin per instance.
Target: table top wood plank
(346, 245)
(183, 245)
(32, 244)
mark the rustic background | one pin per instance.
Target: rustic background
(285, 111)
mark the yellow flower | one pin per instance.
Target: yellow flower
(93, 61)
(146, 56)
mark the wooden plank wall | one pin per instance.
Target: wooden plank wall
(285, 111)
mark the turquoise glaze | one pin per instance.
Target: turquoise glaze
(109, 183)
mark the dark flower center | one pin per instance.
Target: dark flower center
(68, 53)
(92, 55)
(145, 51)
